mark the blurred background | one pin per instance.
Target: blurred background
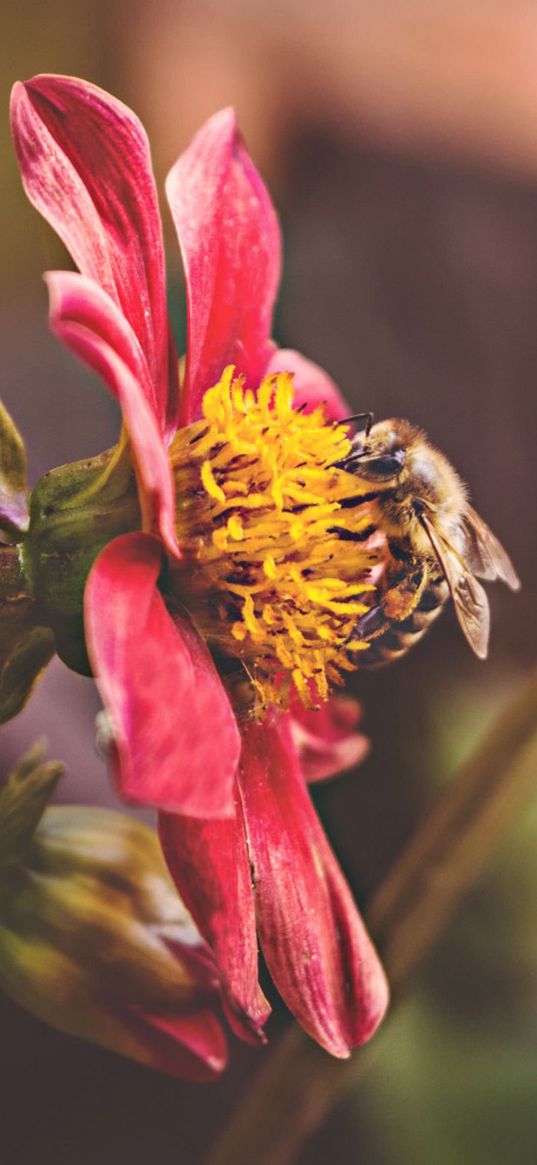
(399, 139)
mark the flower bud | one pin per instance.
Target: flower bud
(95, 941)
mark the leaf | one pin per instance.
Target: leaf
(21, 670)
(23, 801)
(14, 515)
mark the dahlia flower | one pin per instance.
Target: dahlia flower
(219, 608)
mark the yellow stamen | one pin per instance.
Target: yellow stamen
(271, 574)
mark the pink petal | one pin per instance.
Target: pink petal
(325, 740)
(313, 939)
(85, 165)
(91, 325)
(313, 386)
(189, 1047)
(230, 243)
(366, 988)
(197, 962)
(208, 861)
(176, 743)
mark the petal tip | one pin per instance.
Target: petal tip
(16, 89)
(247, 1025)
(377, 1009)
(225, 120)
(16, 99)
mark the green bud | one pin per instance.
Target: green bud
(95, 941)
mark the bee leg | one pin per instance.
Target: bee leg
(398, 603)
(371, 624)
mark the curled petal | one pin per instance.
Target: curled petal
(89, 323)
(325, 739)
(85, 165)
(175, 740)
(313, 386)
(230, 243)
(196, 961)
(208, 861)
(313, 939)
(189, 1047)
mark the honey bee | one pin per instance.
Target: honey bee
(437, 545)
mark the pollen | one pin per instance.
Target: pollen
(275, 570)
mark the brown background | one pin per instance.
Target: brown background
(400, 141)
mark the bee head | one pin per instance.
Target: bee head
(380, 455)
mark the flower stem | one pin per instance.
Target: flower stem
(300, 1084)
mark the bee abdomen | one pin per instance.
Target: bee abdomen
(427, 610)
(390, 638)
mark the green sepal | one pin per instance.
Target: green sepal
(14, 513)
(23, 801)
(76, 510)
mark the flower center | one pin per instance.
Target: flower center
(276, 567)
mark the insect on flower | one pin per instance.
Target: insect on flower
(437, 543)
(204, 546)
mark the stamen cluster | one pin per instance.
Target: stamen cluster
(276, 569)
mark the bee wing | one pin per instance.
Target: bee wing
(469, 599)
(486, 555)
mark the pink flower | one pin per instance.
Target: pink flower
(235, 807)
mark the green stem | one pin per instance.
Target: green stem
(300, 1084)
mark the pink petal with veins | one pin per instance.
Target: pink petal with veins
(85, 165)
(231, 248)
(208, 861)
(175, 741)
(189, 1047)
(313, 939)
(91, 325)
(325, 739)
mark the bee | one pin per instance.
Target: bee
(438, 546)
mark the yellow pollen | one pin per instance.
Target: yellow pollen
(274, 572)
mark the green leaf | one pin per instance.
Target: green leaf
(22, 669)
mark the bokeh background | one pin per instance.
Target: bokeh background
(399, 138)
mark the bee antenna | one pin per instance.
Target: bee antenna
(367, 417)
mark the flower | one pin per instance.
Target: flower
(238, 595)
(93, 937)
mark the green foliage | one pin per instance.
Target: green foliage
(13, 477)
(22, 670)
(23, 801)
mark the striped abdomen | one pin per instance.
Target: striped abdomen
(388, 637)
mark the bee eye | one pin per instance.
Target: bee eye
(385, 466)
